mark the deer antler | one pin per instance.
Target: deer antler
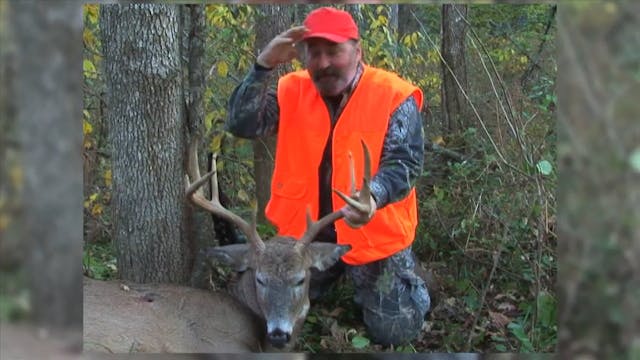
(195, 194)
(359, 201)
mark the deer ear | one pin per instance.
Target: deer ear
(236, 255)
(323, 255)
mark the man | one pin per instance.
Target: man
(320, 115)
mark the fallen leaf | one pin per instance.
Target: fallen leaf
(498, 319)
(505, 306)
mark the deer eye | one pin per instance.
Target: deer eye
(299, 282)
(260, 281)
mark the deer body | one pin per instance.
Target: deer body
(165, 318)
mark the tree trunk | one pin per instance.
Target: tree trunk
(274, 19)
(356, 12)
(454, 67)
(199, 225)
(141, 47)
(47, 100)
(407, 23)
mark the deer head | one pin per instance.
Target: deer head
(274, 274)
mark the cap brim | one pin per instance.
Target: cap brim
(327, 36)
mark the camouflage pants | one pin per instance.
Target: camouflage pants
(393, 298)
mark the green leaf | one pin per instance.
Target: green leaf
(544, 167)
(359, 342)
(518, 332)
(89, 68)
(546, 309)
(634, 160)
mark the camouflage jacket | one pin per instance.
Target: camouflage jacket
(254, 112)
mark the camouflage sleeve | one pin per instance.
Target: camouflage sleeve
(402, 155)
(253, 106)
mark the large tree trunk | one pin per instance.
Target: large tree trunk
(141, 47)
(47, 99)
(274, 19)
(454, 67)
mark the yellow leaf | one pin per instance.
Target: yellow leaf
(438, 140)
(406, 40)
(96, 210)
(87, 204)
(107, 178)
(223, 68)
(93, 197)
(297, 65)
(88, 37)
(87, 128)
(216, 142)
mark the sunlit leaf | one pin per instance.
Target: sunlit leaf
(87, 128)
(96, 210)
(223, 68)
(216, 142)
(89, 68)
(544, 167)
(360, 342)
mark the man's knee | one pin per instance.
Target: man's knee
(397, 320)
(393, 328)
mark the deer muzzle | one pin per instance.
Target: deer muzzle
(279, 338)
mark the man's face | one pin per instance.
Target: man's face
(331, 65)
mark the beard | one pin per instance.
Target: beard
(330, 81)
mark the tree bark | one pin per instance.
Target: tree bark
(407, 23)
(199, 225)
(454, 68)
(274, 20)
(141, 47)
(47, 97)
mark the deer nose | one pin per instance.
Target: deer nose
(278, 338)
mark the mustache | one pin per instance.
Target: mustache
(325, 72)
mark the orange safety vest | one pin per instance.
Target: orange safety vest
(303, 130)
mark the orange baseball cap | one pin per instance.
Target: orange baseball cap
(331, 24)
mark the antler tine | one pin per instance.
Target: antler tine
(195, 194)
(360, 202)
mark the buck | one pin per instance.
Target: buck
(272, 282)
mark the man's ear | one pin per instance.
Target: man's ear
(324, 255)
(358, 50)
(236, 255)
